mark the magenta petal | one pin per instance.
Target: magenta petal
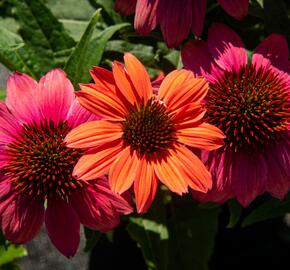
(22, 219)
(249, 177)
(22, 93)
(56, 95)
(63, 226)
(6, 194)
(98, 207)
(196, 57)
(226, 47)
(78, 114)
(274, 48)
(125, 7)
(9, 125)
(198, 14)
(236, 8)
(146, 16)
(175, 19)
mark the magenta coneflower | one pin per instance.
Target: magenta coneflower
(249, 102)
(176, 17)
(36, 166)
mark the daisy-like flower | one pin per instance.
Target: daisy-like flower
(249, 102)
(144, 137)
(176, 17)
(36, 166)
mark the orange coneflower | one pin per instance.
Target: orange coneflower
(143, 137)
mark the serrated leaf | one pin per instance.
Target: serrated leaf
(11, 253)
(235, 210)
(271, 209)
(89, 51)
(16, 55)
(41, 31)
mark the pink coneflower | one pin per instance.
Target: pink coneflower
(176, 17)
(144, 136)
(36, 166)
(249, 102)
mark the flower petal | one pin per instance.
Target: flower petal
(198, 14)
(274, 48)
(175, 19)
(94, 133)
(22, 219)
(22, 93)
(97, 161)
(56, 94)
(146, 16)
(125, 7)
(63, 226)
(226, 47)
(123, 171)
(103, 79)
(181, 87)
(101, 103)
(138, 76)
(236, 8)
(77, 115)
(204, 136)
(145, 185)
(249, 177)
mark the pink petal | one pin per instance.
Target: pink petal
(22, 219)
(98, 207)
(56, 95)
(22, 93)
(77, 115)
(7, 194)
(226, 47)
(236, 8)
(146, 16)
(63, 226)
(198, 14)
(249, 177)
(175, 19)
(9, 126)
(125, 7)
(274, 48)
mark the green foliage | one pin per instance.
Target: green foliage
(11, 253)
(92, 238)
(235, 213)
(273, 208)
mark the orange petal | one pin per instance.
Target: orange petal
(124, 83)
(145, 185)
(103, 78)
(192, 169)
(188, 115)
(123, 171)
(181, 87)
(138, 76)
(97, 162)
(100, 103)
(170, 174)
(94, 133)
(204, 136)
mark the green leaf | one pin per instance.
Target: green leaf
(235, 213)
(108, 6)
(92, 237)
(152, 237)
(11, 253)
(192, 233)
(89, 51)
(271, 209)
(16, 55)
(41, 31)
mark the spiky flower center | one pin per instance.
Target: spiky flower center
(250, 106)
(148, 128)
(41, 165)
